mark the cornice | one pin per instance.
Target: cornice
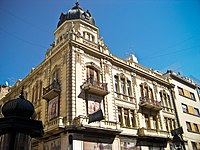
(121, 64)
(183, 81)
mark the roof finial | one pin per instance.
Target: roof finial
(77, 3)
(22, 93)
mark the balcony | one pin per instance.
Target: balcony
(51, 91)
(152, 137)
(101, 127)
(54, 125)
(95, 87)
(150, 104)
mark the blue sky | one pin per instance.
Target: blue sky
(163, 34)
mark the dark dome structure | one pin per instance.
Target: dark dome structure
(18, 107)
(76, 13)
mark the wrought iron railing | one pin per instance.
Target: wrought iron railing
(96, 84)
(54, 85)
(147, 100)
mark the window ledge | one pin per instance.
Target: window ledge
(188, 97)
(193, 131)
(191, 114)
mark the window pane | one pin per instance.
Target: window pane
(128, 88)
(133, 118)
(192, 96)
(147, 124)
(185, 109)
(122, 86)
(166, 123)
(180, 90)
(154, 122)
(116, 84)
(196, 127)
(120, 116)
(194, 146)
(188, 126)
(196, 111)
(126, 120)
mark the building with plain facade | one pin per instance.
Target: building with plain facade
(187, 104)
(3, 90)
(87, 98)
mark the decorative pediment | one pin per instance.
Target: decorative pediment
(93, 65)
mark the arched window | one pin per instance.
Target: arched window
(37, 92)
(146, 91)
(165, 99)
(56, 75)
(92, 73)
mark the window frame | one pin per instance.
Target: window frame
(189, 127)
(196, 111)
(192, 96)
(185, 108)
(180, 91)
(196, 129)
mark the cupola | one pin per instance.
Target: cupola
(76, 13)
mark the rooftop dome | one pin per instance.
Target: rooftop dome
(76, 13)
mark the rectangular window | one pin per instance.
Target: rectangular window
(196, 111)
(189, 128)
(194, 146)
(198, 91)
(196, 128)
(129, 88)
(180, 91)
(154, 122)
(133, 120)
(123, 91)
(120, 115)
(166, 123)
(185, 109)
(146, 93)
(173, 124)
(116, 84)
(192, 96)
(147, 123)
(126, 120)
(168, 97)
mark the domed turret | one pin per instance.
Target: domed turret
(76, 13)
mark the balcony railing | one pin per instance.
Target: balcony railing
(55, 124)
(153, 133)
(150, 103)
(95, 87)
(103, 126)
(52, 90)
(147, 137)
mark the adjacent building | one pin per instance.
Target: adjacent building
(88, 98)
(187, 104)
(4, 89)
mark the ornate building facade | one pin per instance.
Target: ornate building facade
(87, 98)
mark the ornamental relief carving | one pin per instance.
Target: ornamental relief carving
(78, 57)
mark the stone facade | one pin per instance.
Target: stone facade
(80, 79)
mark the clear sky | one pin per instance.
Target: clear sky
(163, 34)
